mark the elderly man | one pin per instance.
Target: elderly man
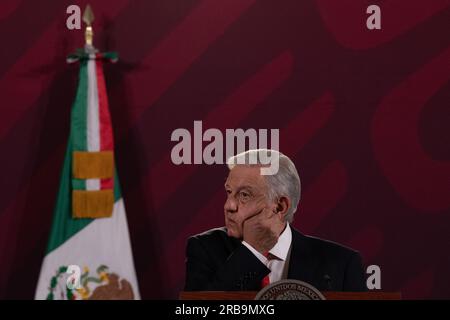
(258, 245)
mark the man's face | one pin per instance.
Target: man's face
(246, 196)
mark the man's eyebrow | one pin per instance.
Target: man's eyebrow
(248, 187)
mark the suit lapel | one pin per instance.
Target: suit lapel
(301, 263)
(230, 243)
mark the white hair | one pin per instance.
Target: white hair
(284, 183)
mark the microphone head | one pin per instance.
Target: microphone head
(327, 279)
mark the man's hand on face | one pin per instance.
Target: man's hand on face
(258, 230)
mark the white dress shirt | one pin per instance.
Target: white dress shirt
(278, 266)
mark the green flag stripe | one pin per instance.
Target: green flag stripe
(64, 226)
(78, 184)
(78, 129)
(78, 126)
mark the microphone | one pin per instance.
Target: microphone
(327, 280)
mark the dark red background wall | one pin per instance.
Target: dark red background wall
(363, 114)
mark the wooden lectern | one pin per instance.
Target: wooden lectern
(250, 295)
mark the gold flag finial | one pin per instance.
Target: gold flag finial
(88, 18)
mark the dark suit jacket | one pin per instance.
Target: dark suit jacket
(217, 262)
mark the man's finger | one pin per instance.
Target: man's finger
(253, 216)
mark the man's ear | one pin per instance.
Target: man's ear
(282, 206)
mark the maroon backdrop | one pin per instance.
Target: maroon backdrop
(363, 114)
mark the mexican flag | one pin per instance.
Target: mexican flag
(89, 253)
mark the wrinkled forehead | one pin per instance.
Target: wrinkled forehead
(245, 176)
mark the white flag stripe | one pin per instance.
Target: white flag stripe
(92, 184)
(93, 119)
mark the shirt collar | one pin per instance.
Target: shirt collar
(281, 249)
